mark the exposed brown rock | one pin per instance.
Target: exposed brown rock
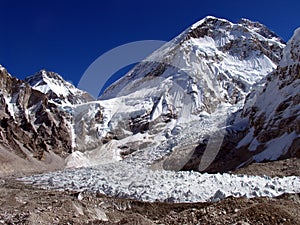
(35, 127)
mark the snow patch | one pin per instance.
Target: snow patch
(11, 106)
(276, 147)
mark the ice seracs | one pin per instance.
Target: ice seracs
(127, 180)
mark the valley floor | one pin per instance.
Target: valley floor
(23, 204)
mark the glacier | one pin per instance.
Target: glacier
(127, 180)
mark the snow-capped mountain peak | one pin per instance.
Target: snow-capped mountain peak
(206, 19)
(227, 34)
(212, 49)
(59, 90)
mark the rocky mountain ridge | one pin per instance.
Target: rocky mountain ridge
(275, 122)
(35, 133)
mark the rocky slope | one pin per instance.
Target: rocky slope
(274, 113)
(35, 133)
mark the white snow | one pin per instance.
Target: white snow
(276, 147)
(11, 106)
(200, 22)
(292, 48)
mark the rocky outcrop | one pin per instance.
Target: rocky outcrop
(32, 129)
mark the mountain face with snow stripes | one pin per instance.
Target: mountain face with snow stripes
(274, 116)
(203, 101)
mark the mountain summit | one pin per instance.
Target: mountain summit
(58, 90)
(214, 60)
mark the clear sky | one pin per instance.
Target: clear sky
(67, 36)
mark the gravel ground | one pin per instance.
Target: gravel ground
(24, 204)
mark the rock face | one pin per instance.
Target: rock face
(34, 132)
(274, 117)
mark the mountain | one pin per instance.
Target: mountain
(234, 56)
(267, 127)
(177, 98)
(34, 132)
(274, 114)
(58, 90)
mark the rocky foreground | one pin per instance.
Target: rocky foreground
(24, 204)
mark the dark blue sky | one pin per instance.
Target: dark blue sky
(67, 36)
